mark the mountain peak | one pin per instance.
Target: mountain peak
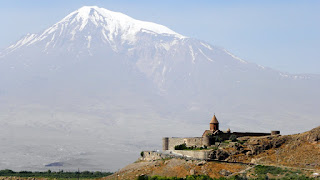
(108, 26)
(115, 22)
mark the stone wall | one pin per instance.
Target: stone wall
(153, 155)
(173, 141)
(165, 143)
(196, 154)
(195, 141)
(241, 134)
(193, 154)
(226, 136)
(170, 143)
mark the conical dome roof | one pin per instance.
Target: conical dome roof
(214, 120)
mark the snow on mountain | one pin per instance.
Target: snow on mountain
(102, 79)
(91, 30)
(111, 27)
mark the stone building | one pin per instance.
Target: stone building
(208, 137)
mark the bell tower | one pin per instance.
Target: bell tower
(214, 124)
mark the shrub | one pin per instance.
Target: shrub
(180, 147)
(269, 169)
(142, 177)
(233, 138)
(217, 139)
(58, 174)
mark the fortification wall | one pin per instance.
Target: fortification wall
(196, 154)
(195, 141)
(226, 136)
(174, 141)
(241, 134)
(165, 143)
(170, 143)
(153, 155)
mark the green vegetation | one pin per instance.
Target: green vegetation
(233, 138)
(142, 154)
(51, 174)
(263, 172)
(217, 139)
(209, 135)
(184, 147)
(180, 147)
(269, 169)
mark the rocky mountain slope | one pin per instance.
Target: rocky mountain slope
(177, 168)
(99, 84)
(298, 150)
(298, 153)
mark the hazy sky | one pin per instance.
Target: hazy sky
(283, 35)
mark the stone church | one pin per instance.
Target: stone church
(208, 137)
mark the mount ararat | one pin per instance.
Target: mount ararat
(97, 87)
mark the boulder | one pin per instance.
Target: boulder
(219, 155)
(224, 172)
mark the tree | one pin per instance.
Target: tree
(217, 139)
(233, 138)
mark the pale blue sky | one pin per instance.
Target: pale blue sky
(283, 35)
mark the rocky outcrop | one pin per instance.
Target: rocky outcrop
(259, 144)
(313, 136)
(219, 155)
(296, 150)
(252, 146)
(225, 172)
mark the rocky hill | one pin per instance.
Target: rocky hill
(299, 150)
(176, 167)
(298, 154)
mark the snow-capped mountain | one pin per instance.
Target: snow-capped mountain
(102, 79)
(154, 49)
(92, 25)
